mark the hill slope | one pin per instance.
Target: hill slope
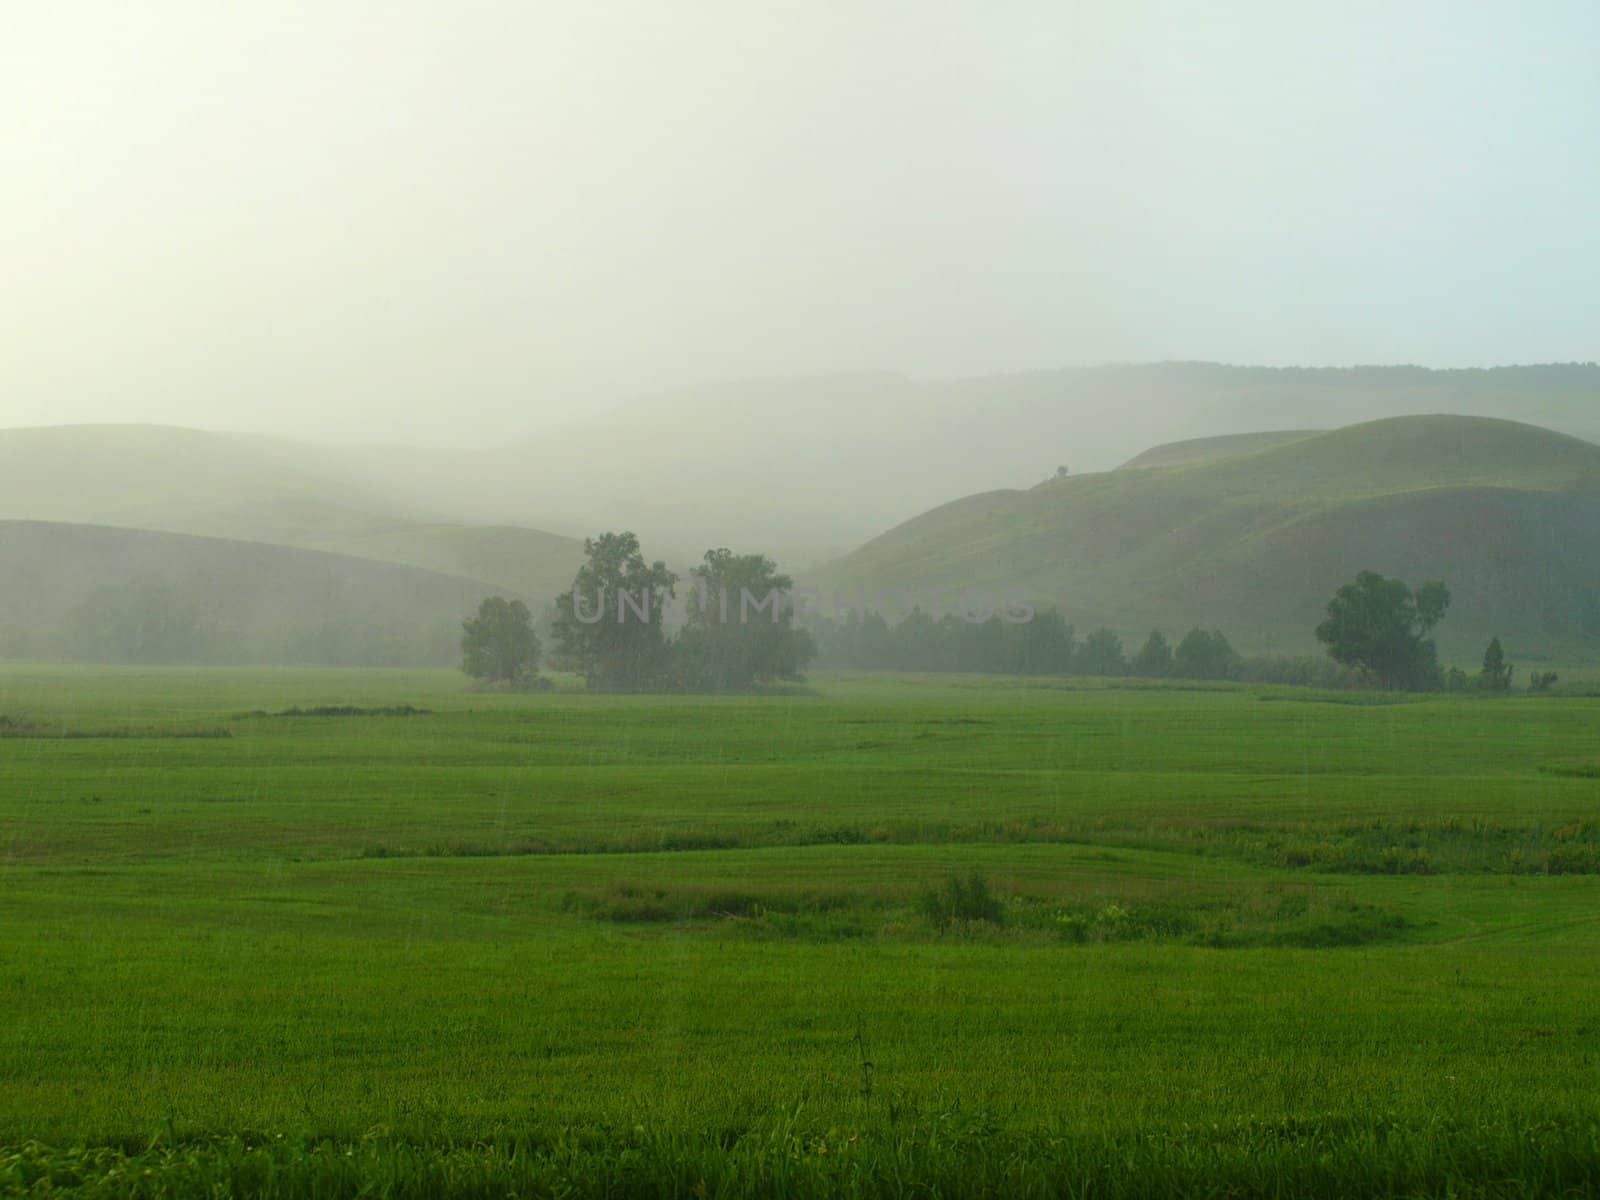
(804, 469)
(237, 589)
(253, 489)
(1199, 450)
(1507, 514)
(810, 468)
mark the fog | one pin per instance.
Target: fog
(467, 224)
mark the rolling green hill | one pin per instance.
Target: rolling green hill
(1254, 543)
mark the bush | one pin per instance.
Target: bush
(961, 900)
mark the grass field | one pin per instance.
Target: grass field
(425, 941)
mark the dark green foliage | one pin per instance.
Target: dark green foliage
(740, 631)
(960, 899)
(1496, 676)
(1043, 646)
(1203, 655)
(608, 625)
(498, 646)
(1380, 627)
(1100, 654)
(1046, 645)
(1154, 659)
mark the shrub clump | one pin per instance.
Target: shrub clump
(960, 899)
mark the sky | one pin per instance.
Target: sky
(461, 223)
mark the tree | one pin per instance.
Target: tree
(918, 643)
(1497, 672)
(608, 625)
(1380, 627)
(740, 630)
(499, 644)
(1100, 654)
(1154, 659)
(1202, 655)
(1042, 646)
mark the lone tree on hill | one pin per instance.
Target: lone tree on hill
(499, 645)
(1380, 627)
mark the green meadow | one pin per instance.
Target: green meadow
(372, 933)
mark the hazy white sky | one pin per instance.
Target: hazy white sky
(462, 221)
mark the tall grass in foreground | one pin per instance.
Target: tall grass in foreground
(961, 1155)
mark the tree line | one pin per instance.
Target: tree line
(611, 628)
(1045, 645)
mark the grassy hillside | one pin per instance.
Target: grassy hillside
(810, 468)
(1199, 450)
(1254, 544)
(237, 589)
(259, 490)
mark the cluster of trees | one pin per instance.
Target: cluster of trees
(1379, 627)
(614, 627)
(1045, 645)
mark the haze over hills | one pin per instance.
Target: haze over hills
(805, 469)
(1237, 528)
(256, 489)
(1507, 514)
(810, 468)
